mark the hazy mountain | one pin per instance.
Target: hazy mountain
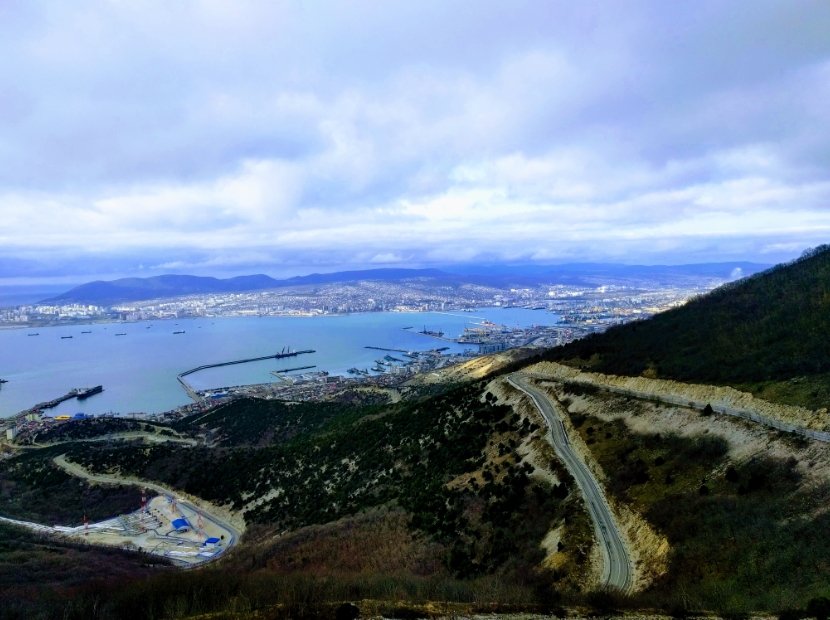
(500, 276)
(158, 287)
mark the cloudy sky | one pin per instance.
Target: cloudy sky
(232, 136)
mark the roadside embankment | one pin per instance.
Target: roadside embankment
(722, 399)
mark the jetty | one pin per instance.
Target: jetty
(51, 404)
(79, 393)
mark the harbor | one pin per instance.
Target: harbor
(139, 370)
(198, 396)
(276, 356)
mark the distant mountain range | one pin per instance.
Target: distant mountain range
(158, 287)
(500, 276)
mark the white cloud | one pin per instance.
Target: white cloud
(401, 134)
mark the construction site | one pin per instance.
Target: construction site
(163, 526)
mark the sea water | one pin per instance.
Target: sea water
(138, 369)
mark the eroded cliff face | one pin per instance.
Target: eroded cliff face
(725, 399)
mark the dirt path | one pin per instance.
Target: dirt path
(230, 521)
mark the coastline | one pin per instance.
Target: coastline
(139, 371)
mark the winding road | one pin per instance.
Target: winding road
(617, 571)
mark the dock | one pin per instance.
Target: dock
(51, 404)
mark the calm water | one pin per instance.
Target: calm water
(138, 370)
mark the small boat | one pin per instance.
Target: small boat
(181, 331)
(34, 334)
(65, 337)
(86, 332)
(121, 334)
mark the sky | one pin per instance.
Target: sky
(222, 137)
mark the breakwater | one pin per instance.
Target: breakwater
(385, 349)
(285, 370)
(277, 356)
(193, 394)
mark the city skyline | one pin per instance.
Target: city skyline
(285, 138)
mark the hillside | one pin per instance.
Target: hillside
(453, 500)
(449, 500)
(767, 333)
(158, 287)
(499, 276)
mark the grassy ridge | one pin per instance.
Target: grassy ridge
(769, 328)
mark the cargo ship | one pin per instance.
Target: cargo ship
(65, 337)
(433, 333)
(87, 392)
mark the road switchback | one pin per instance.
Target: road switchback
(617, 570)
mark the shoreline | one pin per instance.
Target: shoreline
(46, 367)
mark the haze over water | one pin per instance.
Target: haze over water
(138, 370)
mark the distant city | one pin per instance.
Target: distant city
(581, 307)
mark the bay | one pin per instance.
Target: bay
(138, 370)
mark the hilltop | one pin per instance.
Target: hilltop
(767, 333)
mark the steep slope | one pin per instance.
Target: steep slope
(771, 327)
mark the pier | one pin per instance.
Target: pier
(51, 404)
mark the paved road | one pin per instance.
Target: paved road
(77, 470)
(617, 571)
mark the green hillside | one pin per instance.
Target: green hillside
(767, 333)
